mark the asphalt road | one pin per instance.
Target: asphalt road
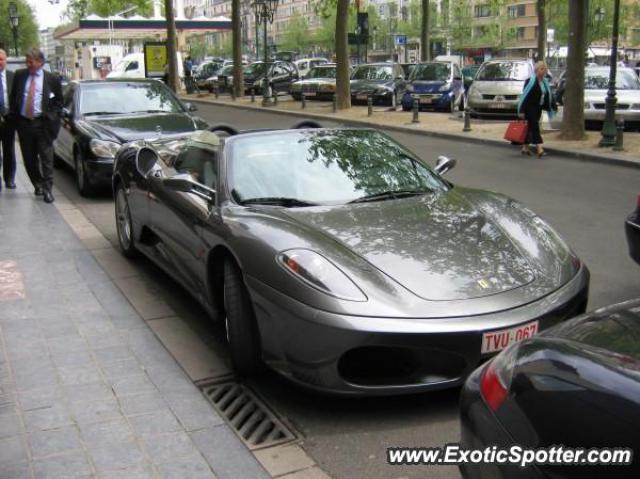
(585, 202)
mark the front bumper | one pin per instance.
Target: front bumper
(598, 114)
(356, 355)
(492, 107)
(428, 101)
(632, 231)
(377, 97)
(99, 170)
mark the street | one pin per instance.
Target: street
(585, 202)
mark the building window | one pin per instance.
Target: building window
(520, 33)
(481, 11)
(516, 11)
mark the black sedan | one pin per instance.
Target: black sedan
(632, 230)
(576, 385)
(99, 116)
(280, 74)
(384, 82)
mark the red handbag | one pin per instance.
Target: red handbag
(517, 132)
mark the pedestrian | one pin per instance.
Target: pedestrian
(7, 126)
(36, 103)
(188, 80)
(536, 96)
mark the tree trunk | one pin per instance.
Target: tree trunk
(425, 51)
(236, 28)
(542, 30)
(573, 115)
(343, 90)
(174, 81)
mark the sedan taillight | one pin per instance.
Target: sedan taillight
(495, 380)
(638, 203)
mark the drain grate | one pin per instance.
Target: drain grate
(252, 420)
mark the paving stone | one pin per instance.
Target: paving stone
(142, 404)
(112, 354)
(310, 473)
(121, 369)
(142, 470)
(35, 378)
(52, 329)
(96, 329)
(231, 461)
(111, 300)
(54, 441)
(169, 378)
(63, 344)
(98, 391)
(86, 412)
(73, 359)
(131, 385)
(76, 375)
(18, 351)
(187, 468)
(112, 455)
(52, 417)
(193, 411)
(13, 450)
(10, 423)
(16, 471)
(39, 398)
(166, 447)
(157, 422)
(73, 465)
(284, 459)
(108, 339)
(113, 431)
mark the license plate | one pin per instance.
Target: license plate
(361, 97)
(498, 340)
(309, 93)
(425, 100)
(499, 106)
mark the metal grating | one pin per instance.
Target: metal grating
(249, 417)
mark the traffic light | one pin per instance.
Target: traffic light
(363, 25)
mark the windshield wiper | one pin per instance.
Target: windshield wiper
(104, 113)
(277, 201)
(389, 195)
(151, 111)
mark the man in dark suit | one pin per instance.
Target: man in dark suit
(7, 127)
(36, 103)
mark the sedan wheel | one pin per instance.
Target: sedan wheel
(84, 186)
(242, 330)
(124, 225)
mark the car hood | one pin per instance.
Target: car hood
(367, 85)
(622, 96)
(125, 128)
(421, 86)
(498, 87)
(440, 247)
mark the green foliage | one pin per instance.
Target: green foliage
(81, 8)
(222, 47)
(492, 32)
(296, 37)
(27, 27)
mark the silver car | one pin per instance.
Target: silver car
(497, 87)
(596, 84)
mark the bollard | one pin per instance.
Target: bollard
(619, 135)
(335, 103)
(467, 119)
(275, 96)
(304, 101)
(233, 94)
(215, 91)
(369, 105)
(253, 95)
(416, 111)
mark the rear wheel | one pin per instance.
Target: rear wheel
(82, 181)
(124, 226)
(242, 330)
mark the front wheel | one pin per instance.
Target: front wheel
(82, 181)
(124, 227)
(242, 330)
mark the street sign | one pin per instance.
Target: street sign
(400, 39)
(155, 59)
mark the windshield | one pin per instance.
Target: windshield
(431, 72)
(325, 166)
(256, 69)
(127, 97)
(322, 72)
(373, 72)
(504, 71)
(226, 71)
(599, 80)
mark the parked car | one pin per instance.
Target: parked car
(627, 93)
(341, 259)
(436, 86)
(304, 65)
(384, 82)
(280, 74)
(100, 115)
(559, 86)
(576, 385)
(468, 75)
(320, 83)
(223, 80)
(407, 67)
(632, 230)
(204, 72)
(497, 87)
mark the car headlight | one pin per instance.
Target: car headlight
(104, 149)
(474, 93)
(327, 87)
(445, 87)
(382, 91)
(587, 105)
(320, 273)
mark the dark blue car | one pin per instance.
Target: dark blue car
(436, 85)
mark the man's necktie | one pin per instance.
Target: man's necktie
(31, 96)
(2, 111)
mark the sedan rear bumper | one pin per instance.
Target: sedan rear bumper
(358, 355)
(632, 231)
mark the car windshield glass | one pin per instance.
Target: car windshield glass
(256, 69)
(322, 72)
(127, 97)
(373, 72)
(325, 167)
(599, 80)
(504, 71)
(430, 72)
(225, 71)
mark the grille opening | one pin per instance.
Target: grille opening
(396, 366)
(249, 417)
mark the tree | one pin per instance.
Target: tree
(573, 115)
(542, 29)
(81, 8)
(27, 28)
(425, 52)
(171, 45)
(343, 87)
(236, 27)
(297, 36)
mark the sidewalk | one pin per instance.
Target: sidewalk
(441, 125)
(86, 388)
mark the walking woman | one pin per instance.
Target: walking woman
(536, 96)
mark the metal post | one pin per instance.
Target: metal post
(369, 105)
(275, 97)
(467, 119)
(335, 103)
(253, 95)
(304, 101)
(233, 94)
(216, 92)
(266, 100)
(416, 111)
(619, 136)
(609, 126)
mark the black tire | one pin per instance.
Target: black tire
(229, 130)
(306, 124)
(124, 225)
(242, 330)
(82, 181)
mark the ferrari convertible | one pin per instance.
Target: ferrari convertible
(340, 259)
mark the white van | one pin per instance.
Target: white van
(132, 66)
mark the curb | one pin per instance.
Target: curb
(616, 160)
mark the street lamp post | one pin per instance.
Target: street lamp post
(14, 19)
(265, 11)
(609, 126)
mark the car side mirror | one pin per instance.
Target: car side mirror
(190, 106)
(444, 164)
(186, 185)
(468, 81)
(146, 159)
(66, 113)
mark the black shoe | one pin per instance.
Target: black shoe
(11, 185)
(48, 197)
(38, 191)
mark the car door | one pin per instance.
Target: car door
(400, 82)
(63, 145)
(178, 218)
